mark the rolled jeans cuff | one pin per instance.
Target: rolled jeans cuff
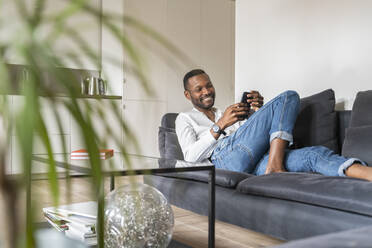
(347, 164)
(282, 135)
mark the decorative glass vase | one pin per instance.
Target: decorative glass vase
(136, 216)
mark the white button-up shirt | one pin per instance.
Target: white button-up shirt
(193, 132)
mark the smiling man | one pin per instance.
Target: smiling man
(256, 145)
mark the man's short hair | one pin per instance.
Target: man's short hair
(190, 74)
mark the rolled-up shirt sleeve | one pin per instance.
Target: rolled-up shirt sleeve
(194, 148)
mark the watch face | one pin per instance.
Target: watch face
(216, 128)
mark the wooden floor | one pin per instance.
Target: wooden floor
(190, 228)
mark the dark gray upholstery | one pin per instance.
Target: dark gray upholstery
(168, 120)
(168, 144)
(359, 237)
(362, 109)
(358, 137)
(283, 219)
(358, 143)
(289, 205)
(167, 138)
(317, 121)
(224, 178)
(310, 189)
(343, 118)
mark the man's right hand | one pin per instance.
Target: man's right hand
(233, 114)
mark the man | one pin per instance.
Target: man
(256, 145)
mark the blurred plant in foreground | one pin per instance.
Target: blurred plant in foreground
(34, 42)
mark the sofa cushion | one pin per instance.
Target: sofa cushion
(343, 117)
(342, 193)
(169, 120)
(316, 123)
(167, 138)
(358, 137)
(224, 178)
(358, 143)
(168, 144)
(358, 237)
(361, 113)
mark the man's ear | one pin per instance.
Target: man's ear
(187, 94)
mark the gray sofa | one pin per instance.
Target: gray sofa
(288, 206)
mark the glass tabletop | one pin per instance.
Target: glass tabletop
(124, 164)
(118, 164)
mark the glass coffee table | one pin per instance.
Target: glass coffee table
(125, 165)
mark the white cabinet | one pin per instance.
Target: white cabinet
(143, 119)
(38, 148)
(86, 25)
(102, 111)
(154, 14)
(112, 50)
(70, 132)
(47, 113)
(5, 144)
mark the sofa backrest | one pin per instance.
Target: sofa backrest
(167, 138)
(343, 121)
(170, 148)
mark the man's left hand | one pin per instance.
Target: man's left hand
(256, 100)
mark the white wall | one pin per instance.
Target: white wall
(12, 30)
(201, 29)
(305, 45)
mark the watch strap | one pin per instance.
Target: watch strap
(217, 129)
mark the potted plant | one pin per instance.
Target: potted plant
(39, 31)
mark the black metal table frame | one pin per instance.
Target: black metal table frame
(86, 172)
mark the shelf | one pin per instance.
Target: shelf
(112, 97)
(102, 97)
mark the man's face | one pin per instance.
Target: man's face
(200, 92)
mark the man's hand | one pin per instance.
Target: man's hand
(233, 114)
(255, 99)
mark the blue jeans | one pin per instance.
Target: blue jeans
(246, 150)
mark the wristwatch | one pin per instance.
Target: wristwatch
(217, 129)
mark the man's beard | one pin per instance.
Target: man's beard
(200, 102)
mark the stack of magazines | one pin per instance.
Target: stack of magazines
(77, 220)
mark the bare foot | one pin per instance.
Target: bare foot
(274, 168)
(359, 171)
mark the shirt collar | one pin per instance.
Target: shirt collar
(217, 112)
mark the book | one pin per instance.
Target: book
(80, 234)
(56, 222)
(77, 220)
(84, 152)
(83, 209)
(87, 157)
(87, 239)
(86, 229)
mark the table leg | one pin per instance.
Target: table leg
(112, 183)
(211, 208)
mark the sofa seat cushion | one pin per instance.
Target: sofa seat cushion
(342, 193)
(224, 178)
(358, 237)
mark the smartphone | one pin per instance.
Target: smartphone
(244, 100)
